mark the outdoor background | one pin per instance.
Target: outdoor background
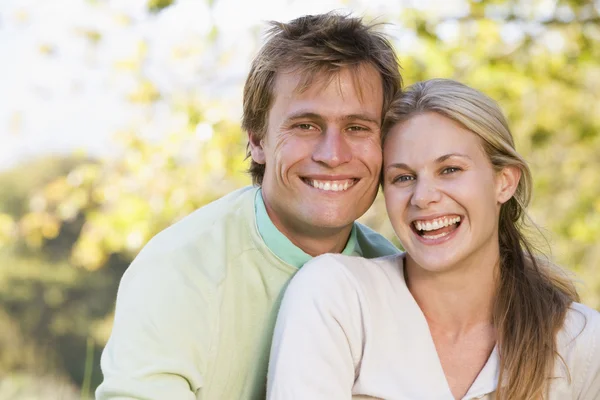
(118, 118)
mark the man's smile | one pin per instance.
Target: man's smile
(330, 185)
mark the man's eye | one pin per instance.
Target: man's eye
(305, 127)
(357, 128)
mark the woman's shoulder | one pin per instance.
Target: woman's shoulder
(581, 320)
(582, 309)
(353, 267)
(338, 272)
(579, 349)
(579, 339)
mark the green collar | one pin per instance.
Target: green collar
(280, 245)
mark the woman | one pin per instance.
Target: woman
(467, 306)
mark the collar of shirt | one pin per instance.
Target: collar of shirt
(281, 246)
(487, 380)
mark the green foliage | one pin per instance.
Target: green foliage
(158, 5)
(20, 184)
(49, 309)
(547, 80)
(126, 201)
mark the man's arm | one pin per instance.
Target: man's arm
(161, 334)
(317, 343)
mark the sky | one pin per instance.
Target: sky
(59, 93)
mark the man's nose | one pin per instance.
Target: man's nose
(333, 149)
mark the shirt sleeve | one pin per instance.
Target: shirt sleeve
(160, 337)
(317, 344)
(591, 378)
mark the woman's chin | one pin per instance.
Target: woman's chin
(431, 264)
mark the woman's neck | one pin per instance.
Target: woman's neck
(456, 300)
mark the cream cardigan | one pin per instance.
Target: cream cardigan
(350, 328)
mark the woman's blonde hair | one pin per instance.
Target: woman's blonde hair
(532, 296)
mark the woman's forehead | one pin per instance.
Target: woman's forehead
(431, 137)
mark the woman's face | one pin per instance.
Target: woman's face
(442, 194)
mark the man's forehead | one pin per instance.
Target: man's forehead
(359, 78)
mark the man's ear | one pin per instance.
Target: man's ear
(507, 181)
(256, 148)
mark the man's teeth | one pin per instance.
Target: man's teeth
(333, 186)
(436, 224)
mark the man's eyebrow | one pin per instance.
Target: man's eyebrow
(362, 117)
(305, 114)
(319, 117)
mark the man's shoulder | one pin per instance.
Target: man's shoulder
(202, 241)
(205, 222)
(373, 244)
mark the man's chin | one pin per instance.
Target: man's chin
(328, 222)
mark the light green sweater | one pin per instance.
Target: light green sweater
(196, 308)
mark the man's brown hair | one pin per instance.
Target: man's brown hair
(311, 45)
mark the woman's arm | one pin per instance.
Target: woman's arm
(317, 344)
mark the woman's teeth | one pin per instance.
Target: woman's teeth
(436, 224)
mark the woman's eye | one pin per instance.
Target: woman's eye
(402, 178)
(450, 170)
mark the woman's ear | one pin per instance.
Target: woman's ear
(256, 148)
(507, 181)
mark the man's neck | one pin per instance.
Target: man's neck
(317, 245)
(312, 240)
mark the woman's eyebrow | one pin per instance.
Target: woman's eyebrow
(438, 160)
(443, 158)
(397, 166)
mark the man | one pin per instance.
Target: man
(195, 310)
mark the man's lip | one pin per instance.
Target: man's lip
(336, 185)
(330, 177)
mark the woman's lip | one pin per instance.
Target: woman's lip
(435, 241)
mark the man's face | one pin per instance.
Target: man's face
(322, 151)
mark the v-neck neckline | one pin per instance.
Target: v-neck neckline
(487, 378)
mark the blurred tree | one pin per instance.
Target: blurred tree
(541, 61)
(48, 308)
(155, 6)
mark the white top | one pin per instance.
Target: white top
(349, 328)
